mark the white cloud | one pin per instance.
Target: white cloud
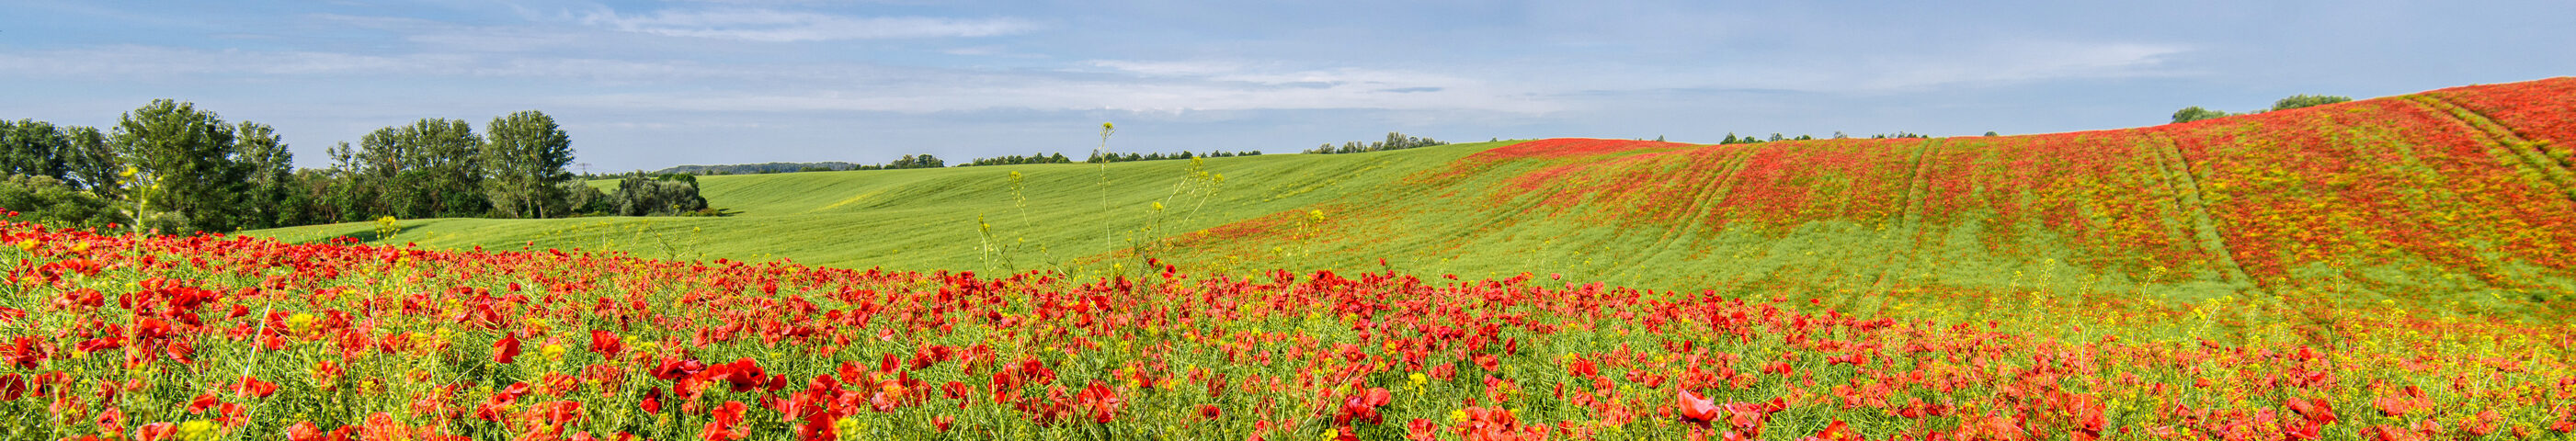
(157, 62)
(1207, 89)
(154, 61)
(2025, 62)
(768, 25)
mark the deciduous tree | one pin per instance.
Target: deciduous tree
(186, 156)
(523, 165)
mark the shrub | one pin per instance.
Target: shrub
(48, 201)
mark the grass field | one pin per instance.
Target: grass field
(925, 219)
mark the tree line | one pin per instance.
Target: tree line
(1041, 158)
(1394, 141)
(172, 167)
(2196, 113)
(929, 161)
(1184, 154)
(754, 169)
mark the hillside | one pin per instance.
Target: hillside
(927, 218)
(2460, 198)
(765, 167)
(2461, 189)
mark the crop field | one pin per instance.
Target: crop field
(2386, 269)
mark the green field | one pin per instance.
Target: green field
(926, 219)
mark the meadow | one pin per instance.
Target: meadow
(2390, 269)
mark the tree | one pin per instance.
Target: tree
(92, 161)
(48, 201)
(324, 194)
(32, 148)
(1394, 141)
(271, 169)
(427, 169)
(523, 165)
(658, 196)
(2304, 100)
(2195, 113)
(186, 155)
(346, 194)
(581, 198)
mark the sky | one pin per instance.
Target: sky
(650, 84)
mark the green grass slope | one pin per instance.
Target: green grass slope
(2452, 200)
(2456, 200)
(927, 219)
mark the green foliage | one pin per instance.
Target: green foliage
(581, 198)
(92, 162)
(33, 148)
(924, 160)
(666, 195)
(1394, 141)
(2304, 100)
(752, 169)
(192, 171)
(523, 165)
(317, 195)
(79, 156)
(271, 167)
(54, 203)
(427, 169)
(2195, 113)
(188, 155)
(1184, 154)
(1040, 158)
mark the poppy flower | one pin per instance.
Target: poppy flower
(1696, 408)
(506, 350)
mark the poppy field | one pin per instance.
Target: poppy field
(213, 337)
(2386, 269)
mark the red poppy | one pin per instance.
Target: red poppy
(1696, 408)
(507, 349)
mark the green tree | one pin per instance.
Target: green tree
(321, 194)
(48, 201)
(271, 169)
(581, 198)
(426, 169)
(523, 165)
(33, 148)
(658, 196)
(2195, 113)
(92, 161)
(349, 193)
(2304, 100)
(186, 156)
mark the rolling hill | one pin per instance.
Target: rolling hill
(2459, 198)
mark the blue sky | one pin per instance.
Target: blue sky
(643, 85)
